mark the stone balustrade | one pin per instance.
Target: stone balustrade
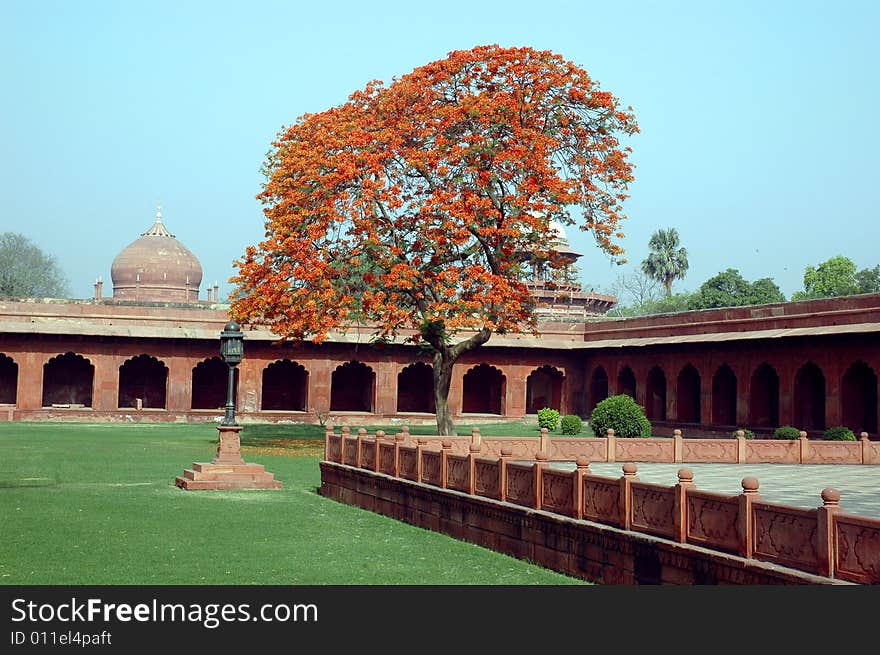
(822, 541)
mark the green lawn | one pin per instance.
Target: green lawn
(96, 504)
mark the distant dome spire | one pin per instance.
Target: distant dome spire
(158, 229)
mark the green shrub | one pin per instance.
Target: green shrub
(748, 433)
(623, 415)
(786, 432)
(548, 418)
(572, 424)
(839, 433)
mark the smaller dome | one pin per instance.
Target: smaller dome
(156, 267)
(560, 242)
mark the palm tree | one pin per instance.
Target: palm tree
(667, 261)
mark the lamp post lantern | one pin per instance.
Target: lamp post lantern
(232, 351)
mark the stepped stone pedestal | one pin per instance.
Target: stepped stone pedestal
(227, 470)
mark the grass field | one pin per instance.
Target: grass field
(96, 504)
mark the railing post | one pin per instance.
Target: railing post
(804, 450)
(362, 433)
(377, 460)
(740, 446)
(420, 448)
(472, 456)
(611, 443)
(825, 531)
(398, 442)
(583, 468)
(404, 431)
(676, 446)
(863, 440)
(544, 443)
(539, 466)
(679, 504)
(445, 448)
(328, 432)
(345, 433)
(506, 454)
(746, 524)
(629, 476)
(476, 439)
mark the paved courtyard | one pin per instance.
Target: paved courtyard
(798, 485)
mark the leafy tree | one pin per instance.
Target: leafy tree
(667, 260)
(730, 289)
(27, 272)
(835, 277)
(868, 280)
(765, 291)
(410, 207)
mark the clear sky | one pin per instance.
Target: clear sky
(759, 138)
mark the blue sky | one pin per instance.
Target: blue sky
(758, 138)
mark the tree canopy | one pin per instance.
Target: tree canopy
(667, 260)
(730, 289)
(28, 272)
(868, 280)
(415, 205)
(834, 277)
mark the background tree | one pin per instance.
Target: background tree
(730, 289)
(868, 280)
(410, 206)
(27, 272)
(831, 278)
(667, 260)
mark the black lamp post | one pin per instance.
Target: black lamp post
(232, 351)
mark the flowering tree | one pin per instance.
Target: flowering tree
(414, 206)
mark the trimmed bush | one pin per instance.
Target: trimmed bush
(548, 418)
(572, 424)
(786, 432)
(839, 433)
(623, 415)
(748, 433)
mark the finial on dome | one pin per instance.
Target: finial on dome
(158, 212)
(158, 229)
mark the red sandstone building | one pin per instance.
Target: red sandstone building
(150, 353)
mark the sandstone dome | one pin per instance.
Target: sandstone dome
(156, 267)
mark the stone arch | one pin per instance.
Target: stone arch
(415, 388)
(483, 390)
(858, 398)
(142, 377)
(8, 380)
(352, 388)
(764, 397)
(598, 387)
(68, 380)
(687, 395)
(809, 398)
(209, 380)
(724, 396)
(655, 398)
(626, 382)
(285, 386)
(544, 389)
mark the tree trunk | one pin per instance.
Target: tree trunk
(667, 284)
(442, 380)
(445, 357)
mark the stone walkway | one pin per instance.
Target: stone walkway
(797, 485)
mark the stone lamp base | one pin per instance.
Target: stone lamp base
(227, 470)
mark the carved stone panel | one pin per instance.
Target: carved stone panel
(601, 499)
(708, 450)
(386, 458)
(652, 509)
(712, 520)
(858, 549)
(557, 492)
(785, 535)
(431, 467)
(407, 462)
(350, 450)
(595, 450)
(521, 484)
(644, 450)
(458, 472)
(487, 478)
